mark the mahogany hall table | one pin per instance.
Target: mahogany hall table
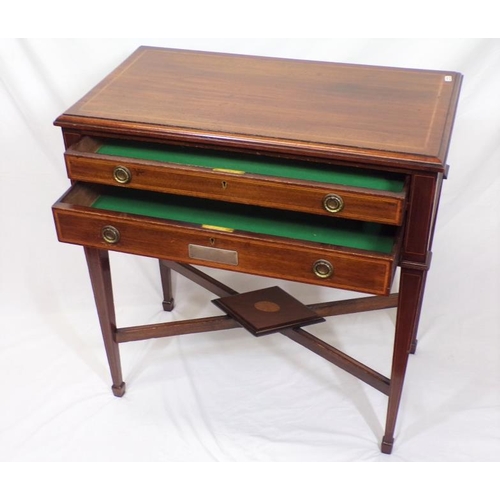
(320, 173)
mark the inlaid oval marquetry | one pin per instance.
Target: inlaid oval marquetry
(267, 306)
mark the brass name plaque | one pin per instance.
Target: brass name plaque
(211, 254)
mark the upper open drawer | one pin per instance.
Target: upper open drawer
(316, 188)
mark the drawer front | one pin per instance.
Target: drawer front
(281, 258)
(238, 187)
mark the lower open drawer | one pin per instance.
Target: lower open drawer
(286, 245)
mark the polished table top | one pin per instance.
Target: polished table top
(396, 117)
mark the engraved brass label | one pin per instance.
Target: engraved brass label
(267, 306)
(211, 254)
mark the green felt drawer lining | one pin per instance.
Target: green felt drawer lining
(317, 229)
(263, 166)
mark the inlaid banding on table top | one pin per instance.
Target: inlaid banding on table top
(308, 102)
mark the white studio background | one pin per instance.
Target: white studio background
(227, 396)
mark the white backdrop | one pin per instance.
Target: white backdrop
(227, 396)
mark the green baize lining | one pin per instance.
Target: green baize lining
(306, 227)
(308, 171)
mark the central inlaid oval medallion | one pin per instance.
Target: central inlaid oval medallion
(267, 306)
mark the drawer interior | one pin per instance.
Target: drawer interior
(229, 217)
(253, 164)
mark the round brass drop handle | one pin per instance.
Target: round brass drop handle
(110, 235)
(323, 269)
(122, 175)
(333, 203)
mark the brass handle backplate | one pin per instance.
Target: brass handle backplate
(122, 175)
(333, 203)
(110, 235)
(322, 269)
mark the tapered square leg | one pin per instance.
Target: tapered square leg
(411, 289)
(100, 277)
(413, 339)
(166, 283)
